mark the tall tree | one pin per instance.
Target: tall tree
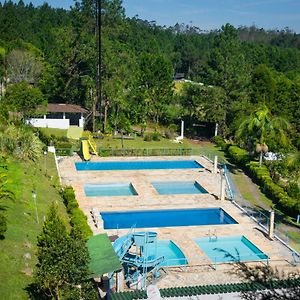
(23, 66)
(262, 128)
(62, 261)
(156, 83)
(22, 98)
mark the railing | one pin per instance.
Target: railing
(258, 216)
(64, 151)
(146, 152)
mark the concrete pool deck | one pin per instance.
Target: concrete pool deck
(199, 270)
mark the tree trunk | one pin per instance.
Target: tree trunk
(260, 158)
(105, 115)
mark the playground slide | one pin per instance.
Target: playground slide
(122, 245)
(85, 150)
(92, 144)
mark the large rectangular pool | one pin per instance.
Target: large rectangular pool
(230, 249)
(137, 165)
(166, 218)
(178, 187)
(109, 189)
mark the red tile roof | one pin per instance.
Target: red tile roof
(67, 108)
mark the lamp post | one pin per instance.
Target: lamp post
(35, 204)
(45, 153)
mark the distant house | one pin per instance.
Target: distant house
(178, 76)
(61, 116)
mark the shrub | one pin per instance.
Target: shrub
(220, 142)
(3, 225)
(148, 137)
(156, 136)
(78, 219)
(79, 222)
(240, 156)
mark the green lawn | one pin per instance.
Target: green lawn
(54, 131)
(251, 192)
(205, 148)
(17, 250)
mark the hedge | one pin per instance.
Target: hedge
(77, 218)
(219, 141)
(261, 175)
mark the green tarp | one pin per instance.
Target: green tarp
(102, 255)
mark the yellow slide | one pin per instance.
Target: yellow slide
(85, 150)
(92, 144)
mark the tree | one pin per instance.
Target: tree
(156, 83)
(62, 261)
(5, 194)
(2, 72)
(268, 278)
(262, 128)
(23, 98)
(23, 65)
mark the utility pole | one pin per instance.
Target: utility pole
(98, 77)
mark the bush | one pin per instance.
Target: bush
(154, 136)
(240, 156)
(261, 176)
(79, 222)
(78, 219)
(3, 225)
(148, 137)
(220, 142)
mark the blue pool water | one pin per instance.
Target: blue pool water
(178, 187)
(173, 256)
(137, 165)
(109, 189)
(239, 248)
(166, 218)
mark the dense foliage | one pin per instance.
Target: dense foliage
(234, 69)
(77, 218)
(62, 268)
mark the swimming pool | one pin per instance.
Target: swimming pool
(166, 218)
(229, 249)
(137, 165)
(172, 254)
(178, 187)
(109, 189)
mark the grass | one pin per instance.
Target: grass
(205, 148)
(295, 239)
(251, 192)
(17, 250)
(54, 131)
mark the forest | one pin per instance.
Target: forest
(233, 70)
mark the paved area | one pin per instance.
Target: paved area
(200, 269)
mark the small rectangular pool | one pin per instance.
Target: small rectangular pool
(166, 218)
(172, 254)
(109, 189)
(137, 165)
(230, 249)
(178, 187)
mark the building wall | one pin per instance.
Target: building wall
(51, 123)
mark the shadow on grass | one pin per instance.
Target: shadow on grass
(34, 293)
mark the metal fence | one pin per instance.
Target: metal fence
(146, 152)
(259, 216)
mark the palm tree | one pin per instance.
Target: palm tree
(261, 127)
(293, 162)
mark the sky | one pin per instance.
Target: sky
(210, 14)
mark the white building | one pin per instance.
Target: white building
(61, 116)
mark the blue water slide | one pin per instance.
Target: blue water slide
(122, 245)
